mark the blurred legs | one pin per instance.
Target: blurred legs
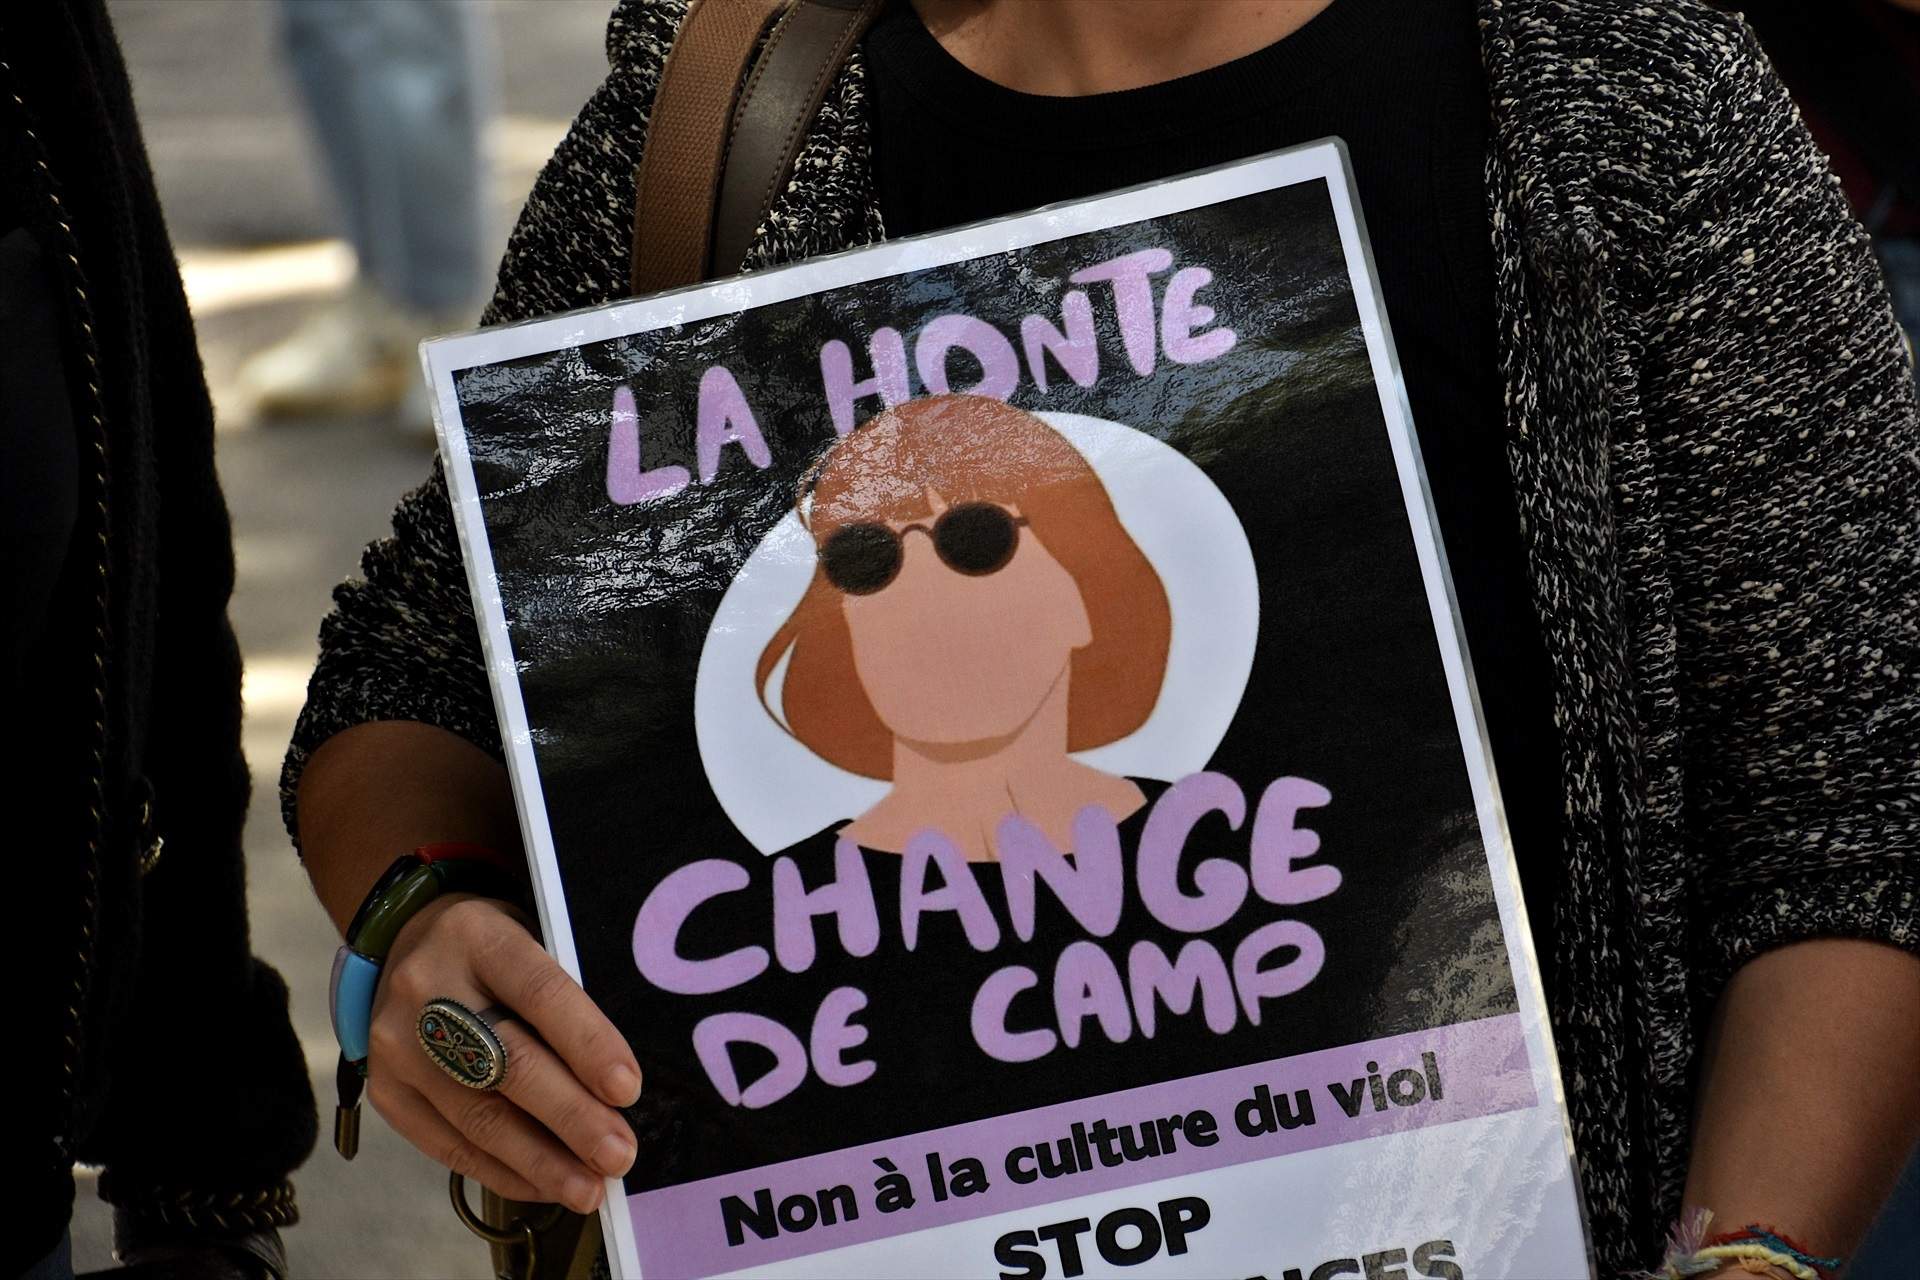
(398, 93)
(395, 88)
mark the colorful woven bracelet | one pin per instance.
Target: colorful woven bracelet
(1692, 1252)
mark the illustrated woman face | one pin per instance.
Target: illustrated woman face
(963, 653)
(970, 567)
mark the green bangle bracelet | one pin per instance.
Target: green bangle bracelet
(410, 884)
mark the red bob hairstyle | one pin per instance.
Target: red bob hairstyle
(971, 449)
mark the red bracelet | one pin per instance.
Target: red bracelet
(456, 852)
(1756, 1231)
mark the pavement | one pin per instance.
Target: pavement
(258, 240)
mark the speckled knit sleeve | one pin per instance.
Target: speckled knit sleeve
(1790, 475)
(402, 642)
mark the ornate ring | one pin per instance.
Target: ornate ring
(463, 1044)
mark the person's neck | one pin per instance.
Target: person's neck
(1073, 48)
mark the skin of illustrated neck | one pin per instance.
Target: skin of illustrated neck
(964, 790)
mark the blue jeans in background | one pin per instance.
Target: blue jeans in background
(399, 91)
(1889, 1251)
(57, 1265)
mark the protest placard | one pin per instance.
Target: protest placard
(991, 729)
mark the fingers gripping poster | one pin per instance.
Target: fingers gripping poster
(990, 729)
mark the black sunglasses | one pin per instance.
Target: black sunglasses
(974, 538)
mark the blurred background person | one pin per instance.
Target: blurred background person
(398, 93)
(247, 195)
(145, 1039)
(1854, 68)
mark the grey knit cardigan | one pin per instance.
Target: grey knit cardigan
(1712, 428)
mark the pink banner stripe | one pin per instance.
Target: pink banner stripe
(1482, 1067)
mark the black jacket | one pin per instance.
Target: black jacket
(152, 1042)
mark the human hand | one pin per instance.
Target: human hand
(549, 1133)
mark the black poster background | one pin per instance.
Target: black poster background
(608, 607)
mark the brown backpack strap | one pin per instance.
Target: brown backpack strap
(779, 101)
(679, 175)
(711, 169)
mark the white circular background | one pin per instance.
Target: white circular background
(778, 793)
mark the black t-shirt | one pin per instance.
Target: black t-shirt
(1402, 85)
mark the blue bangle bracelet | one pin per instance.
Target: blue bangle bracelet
(351, 988)
(412, 882)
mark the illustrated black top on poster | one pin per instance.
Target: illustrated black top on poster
(989, 725)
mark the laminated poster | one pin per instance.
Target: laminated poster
(990, 727)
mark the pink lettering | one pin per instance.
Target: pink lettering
(1222, 884)
(1278, 843)
(713, 1041)
(1077, 350)
(657, 928)
(1180, 316)
(725, 419)
(989, 1018)
(960, 893)
(833, 1034)
(848, 898)
(1256, 984)
(1175, 323)
(1085, 984)
(999, 367)
(888, 351)
(1092, 885)
(1131, 276)
(627, 482)
(1199, 970)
